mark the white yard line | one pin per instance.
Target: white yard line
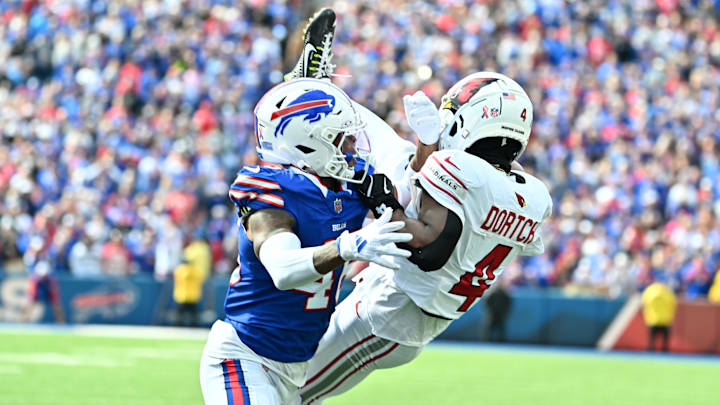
(75, 360)
(124, 331)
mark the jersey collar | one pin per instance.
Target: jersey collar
(316, 181)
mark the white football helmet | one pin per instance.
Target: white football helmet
(304, 122)
(484, 105)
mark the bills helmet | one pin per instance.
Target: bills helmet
(484, 105)
(304, 123)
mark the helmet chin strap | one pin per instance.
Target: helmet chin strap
(495, 151)
(503, 166)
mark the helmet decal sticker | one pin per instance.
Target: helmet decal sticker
(464, 90)
(313, 106)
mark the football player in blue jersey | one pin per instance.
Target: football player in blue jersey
(298, 225)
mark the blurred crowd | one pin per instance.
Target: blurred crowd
(123, 123)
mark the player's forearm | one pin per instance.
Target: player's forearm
(289, 265)
(326, 258)
(422, 233)
(422, 153)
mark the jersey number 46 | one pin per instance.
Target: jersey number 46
(466, 288)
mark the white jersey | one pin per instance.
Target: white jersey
(391, 153)
(502, 216)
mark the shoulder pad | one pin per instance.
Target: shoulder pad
(257, 188)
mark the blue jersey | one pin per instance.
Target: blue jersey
(287, 325)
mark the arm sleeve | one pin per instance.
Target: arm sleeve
(442, 181)
(289, 265)
(434, 255)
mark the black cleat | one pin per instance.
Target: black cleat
(317, 47)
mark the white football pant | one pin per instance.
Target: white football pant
(242, 378)
(349, 352)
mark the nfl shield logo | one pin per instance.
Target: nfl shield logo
(338, 205)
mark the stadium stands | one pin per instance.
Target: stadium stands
(123, 122)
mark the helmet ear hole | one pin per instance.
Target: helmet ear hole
(304, 149)
(453, 130)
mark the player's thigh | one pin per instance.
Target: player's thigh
(350, 337)
(337, 374)
(349, 352)
(346, 330)
(397, 356)
(347, 336)
(246, 382)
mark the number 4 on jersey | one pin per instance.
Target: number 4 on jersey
(319, 292)
(466, 288)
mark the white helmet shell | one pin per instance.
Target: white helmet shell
(304, 123)
(484, 105)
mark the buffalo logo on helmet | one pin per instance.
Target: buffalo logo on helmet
(313, 105)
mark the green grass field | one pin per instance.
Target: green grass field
(56, 368)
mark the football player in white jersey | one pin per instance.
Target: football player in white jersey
(470, 215)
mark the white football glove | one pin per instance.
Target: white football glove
(375, 242)
(423, 117)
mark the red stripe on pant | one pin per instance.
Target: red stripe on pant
(339, 356)
(383, 354)
(235, 389)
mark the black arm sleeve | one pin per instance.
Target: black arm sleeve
(437, 253)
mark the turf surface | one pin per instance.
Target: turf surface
(63, 368)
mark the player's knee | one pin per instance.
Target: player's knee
(399, 356)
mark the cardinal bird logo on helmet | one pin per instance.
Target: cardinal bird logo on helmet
(464, 90)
